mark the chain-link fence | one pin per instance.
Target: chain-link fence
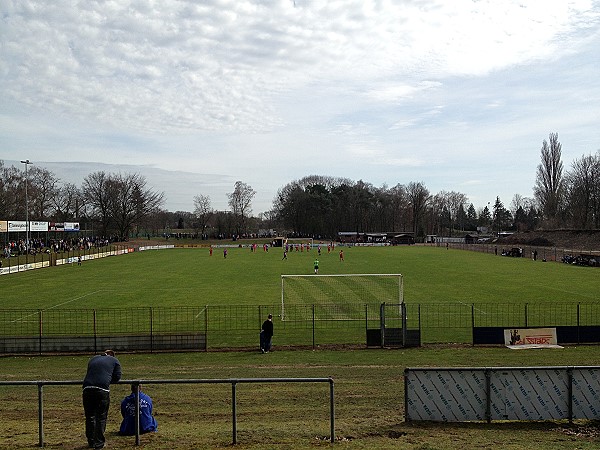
(215, 327)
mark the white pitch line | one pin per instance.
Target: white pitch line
(56, 306)
(477, 309)
(197, 315)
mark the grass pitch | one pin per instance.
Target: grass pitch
(369, 384)
(191, 277)
(445, 290)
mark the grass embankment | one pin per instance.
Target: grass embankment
(369, 397)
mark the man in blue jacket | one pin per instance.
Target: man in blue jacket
(102, 370)
(147, 421)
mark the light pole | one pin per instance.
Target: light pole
(26, 162)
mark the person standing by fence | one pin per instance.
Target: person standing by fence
(266, 335)
(102, 370)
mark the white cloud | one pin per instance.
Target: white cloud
(268, 89)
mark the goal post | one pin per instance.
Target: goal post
(341, 289)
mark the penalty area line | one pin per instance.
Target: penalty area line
(57, 305)
(476, 309)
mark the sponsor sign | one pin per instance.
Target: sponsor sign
(530, 337)
(15, 226)
(57, 226)
(38, 226)
(71, 226)
(20, 226)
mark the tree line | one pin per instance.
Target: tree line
(316, 205)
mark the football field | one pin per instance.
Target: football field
(191, 277)
(446, 292)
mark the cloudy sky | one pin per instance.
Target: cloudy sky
(198, 94)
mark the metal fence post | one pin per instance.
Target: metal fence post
(472, 323)
(95, 331)
(331, 411)
(41, 332)
(233, 411)
(578, 322)
(382, 323)
(40, 414)
(151, 329)
(404, 323)
(206, 328)
(137, 413)
(313, 326)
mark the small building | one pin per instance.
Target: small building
(470, 239)
(402, 239)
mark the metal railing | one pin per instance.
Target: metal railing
(233, 381)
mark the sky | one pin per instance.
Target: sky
(458, 95)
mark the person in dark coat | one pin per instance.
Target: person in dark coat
(102, 370)
(266, 334)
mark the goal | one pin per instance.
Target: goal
(347, 293)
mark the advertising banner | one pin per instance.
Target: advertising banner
(16, 226)
(57, 226)
(3, 226)
(71, 226)
(530, 338)
(38, 226)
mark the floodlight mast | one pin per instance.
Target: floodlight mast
(26, 162)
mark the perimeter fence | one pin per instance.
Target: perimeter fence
(48, 258)
(526, 251)
(219, 327)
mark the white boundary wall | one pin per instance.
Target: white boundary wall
(502, 393)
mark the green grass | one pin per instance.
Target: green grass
(451, 287)
(369, 383)
(190, 277)
(369, 397)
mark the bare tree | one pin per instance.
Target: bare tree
(120, 201)
(240, 201)
(583, 191)
(66, 202)
(400, 207)
(419, 197)
(548, 188)
(42, 188)
(131, 201)
(96, 194)
(203, 211)
(12, 192)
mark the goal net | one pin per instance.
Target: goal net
(344, 296)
